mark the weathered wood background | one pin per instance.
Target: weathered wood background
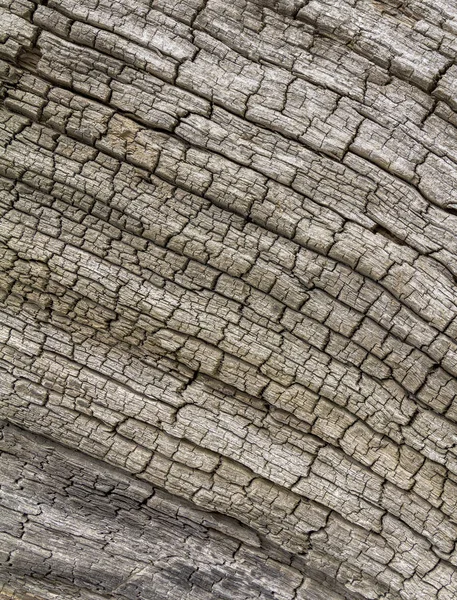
(228, 299)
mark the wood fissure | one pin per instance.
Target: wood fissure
(228, 302)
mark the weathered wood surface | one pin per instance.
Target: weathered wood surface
(228, 275)
(95, 528)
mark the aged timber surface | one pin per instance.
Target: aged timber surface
(228, 266)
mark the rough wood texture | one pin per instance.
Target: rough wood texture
(228, 285)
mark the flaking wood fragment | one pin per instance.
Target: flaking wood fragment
(228, 333)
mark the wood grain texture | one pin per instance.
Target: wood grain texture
(228, 288)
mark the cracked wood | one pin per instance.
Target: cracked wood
(228, 299)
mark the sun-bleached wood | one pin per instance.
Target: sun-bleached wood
(228, 299)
